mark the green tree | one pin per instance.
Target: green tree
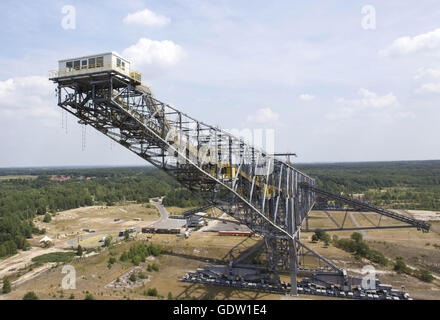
(79, 251)
(6, 285)
(108, 241)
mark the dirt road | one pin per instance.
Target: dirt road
(23, 259)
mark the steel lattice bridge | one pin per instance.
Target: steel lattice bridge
(269, 196)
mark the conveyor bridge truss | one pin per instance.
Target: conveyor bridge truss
(258, 190)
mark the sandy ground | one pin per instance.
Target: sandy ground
(188, 254)
(424, 215)
(65, 228)
(22, 260)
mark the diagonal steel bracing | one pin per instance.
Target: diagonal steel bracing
(409, 221)
(245, 182)
(269, 196)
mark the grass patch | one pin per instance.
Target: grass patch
(54, 257)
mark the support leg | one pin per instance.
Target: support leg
(293, 267)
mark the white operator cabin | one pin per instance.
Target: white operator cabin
(110, 61)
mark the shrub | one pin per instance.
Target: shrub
(377, 257)
(133, 277)
(424, 275)
(124, 256)
(155, 267)
(89, 296)
(47, 218)
(152, 292)
(136, 260)
(30, 296)
(360, 249)
(321, 236)
(356, 236)
(401, 267)
(139, 252)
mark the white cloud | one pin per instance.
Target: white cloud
(342, 113)
(371, 99)
(147, 52)
(25, 97)
(264, 115)
(146, 17)
(408, 45)
(427, 72)
(429, 87)
(306, 97)
(369, 104)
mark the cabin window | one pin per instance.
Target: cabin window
(69, 65)
(123, 65)
(84, 64)
(118, 62)
(92, 62)
(76, 64)
(100, 62)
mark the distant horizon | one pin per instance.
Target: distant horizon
(103, 166)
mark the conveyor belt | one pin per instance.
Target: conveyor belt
(419, 224)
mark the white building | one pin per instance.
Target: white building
(110, 61)
(46, 239)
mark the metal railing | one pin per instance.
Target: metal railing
(109, 66)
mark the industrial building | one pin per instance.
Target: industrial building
(196, 220)
(95, 64)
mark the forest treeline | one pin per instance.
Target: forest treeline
(397, 184)
(182, 198)
(23, 199)
(406, 185)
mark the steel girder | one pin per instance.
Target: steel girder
(410, 222)
(252, 186)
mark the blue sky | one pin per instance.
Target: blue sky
(331, 89)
